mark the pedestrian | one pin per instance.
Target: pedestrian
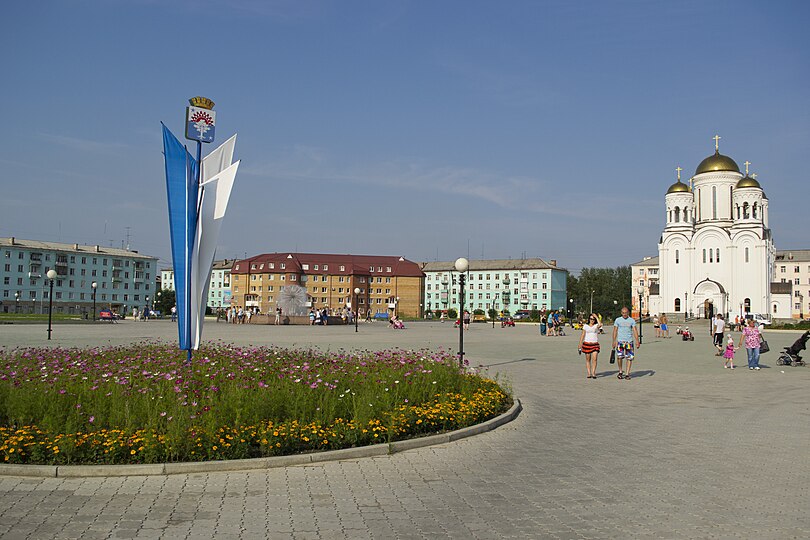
(325, 316)
(174, 314)
(753, 339)
(719, 327)
(135, 313)
(311, 317)
(728, 355)
(550, 324)
(278, 314)
(368, 316)
(589, 344)
(624, 336)
(664, 326)
(657, 325)
(466, 320)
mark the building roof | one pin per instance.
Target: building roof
(71, 248)
(793, 255)
(352, 264)
(494, 264)
(224, 264)
(782, 288)
(647, 261)
(717, 162)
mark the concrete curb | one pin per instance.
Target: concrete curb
(80, 471)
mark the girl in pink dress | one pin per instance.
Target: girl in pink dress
(728, 355)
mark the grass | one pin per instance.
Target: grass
(143, 404)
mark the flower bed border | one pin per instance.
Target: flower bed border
(158, 469)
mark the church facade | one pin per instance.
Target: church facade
(716, 253)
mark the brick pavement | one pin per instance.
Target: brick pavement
(684, 450)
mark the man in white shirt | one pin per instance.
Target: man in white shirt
(718, 326)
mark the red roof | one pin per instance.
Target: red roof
(305, 263)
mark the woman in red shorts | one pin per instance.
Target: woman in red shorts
(589, 344)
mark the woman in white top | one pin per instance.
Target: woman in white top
(589, 344)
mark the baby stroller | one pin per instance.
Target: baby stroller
(790, 356)
(686, 335)
(507, 321)
(396, 324)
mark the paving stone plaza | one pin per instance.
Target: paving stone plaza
(686, 449)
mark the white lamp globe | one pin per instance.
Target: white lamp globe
(462, 264)
(51, 274)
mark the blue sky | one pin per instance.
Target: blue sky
(422, 129)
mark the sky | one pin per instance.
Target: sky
(428, 130)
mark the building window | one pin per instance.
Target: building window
(677, 304)
(717, 255)
(677, 257)
(746, 254)
(714, 202)
(704, 256)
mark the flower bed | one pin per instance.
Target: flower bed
(143, 404)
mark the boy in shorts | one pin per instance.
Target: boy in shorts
(624, 336)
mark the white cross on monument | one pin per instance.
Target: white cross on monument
(717, 142)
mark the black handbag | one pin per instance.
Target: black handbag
(612, 356)
(763, 347)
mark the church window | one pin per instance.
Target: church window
(677, 257)
(677, 304)
(714, 202)
(669, 216)
(686, 215)
(745, 210)
(704, 256)
(677, 214)
(755, 211)
(738, 211)
(717, 255)
(747, 305)
(711, 256)
(746, 254)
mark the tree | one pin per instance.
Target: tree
(165, 301)
(610, 288)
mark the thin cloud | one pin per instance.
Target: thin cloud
(85, 145)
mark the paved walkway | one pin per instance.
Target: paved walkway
(686, 449)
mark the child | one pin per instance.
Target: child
(728, 355)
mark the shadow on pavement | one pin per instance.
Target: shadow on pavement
(510, 362)
(633, 374)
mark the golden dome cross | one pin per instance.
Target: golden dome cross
(747, 163)
(717, 142)
(679, 173)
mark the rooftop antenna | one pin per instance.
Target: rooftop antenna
(128, 236)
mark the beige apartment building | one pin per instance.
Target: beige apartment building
(387, 284)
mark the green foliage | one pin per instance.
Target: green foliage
(492, 313)
(611, 289)
(165, 301)
(452, 313)
(478, 312)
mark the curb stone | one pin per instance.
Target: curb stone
(158, 469)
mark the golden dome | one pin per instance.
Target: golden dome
(717, 162)
(748, 182)
(678, 187)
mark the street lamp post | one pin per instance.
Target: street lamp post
(94, 285)
(591, 310)
(356, 307)
(146, 315)
(461, 265)
(51, 276)
(801, 306)
(571, 312)
(17, 302)
(494, 308)
(640, 292)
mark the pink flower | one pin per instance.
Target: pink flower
(91, 419)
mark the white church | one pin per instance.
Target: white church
(716, 253)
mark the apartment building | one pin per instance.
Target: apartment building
(124, 279)
(219, 288)
(530, 283)
(387, 284)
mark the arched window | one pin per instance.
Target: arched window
(677, 214)
(669, 216)
(754, 211)
(677, 304)
(677, 257)
(711, 256)
(738, 211)
(704, 256)
(717, 255)
(745, 210)
(714, 202)
(747, 305)
(746, 254)
(685, 214)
